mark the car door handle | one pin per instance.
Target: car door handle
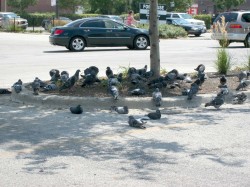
(86, 30)
(109, 30)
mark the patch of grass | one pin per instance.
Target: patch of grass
(223, 62)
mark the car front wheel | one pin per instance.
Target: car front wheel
(77, 44)
(141, 42)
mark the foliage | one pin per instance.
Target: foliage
(223, 63)
(19, 6)
(179, 5)
(72, 4)
(207, 18)
(226, 5)
(171, 31)
(220, 28)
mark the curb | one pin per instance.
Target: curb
(92, 103)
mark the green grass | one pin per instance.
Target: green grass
(223, 62)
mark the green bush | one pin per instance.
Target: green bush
(223, 62)
(205, 17)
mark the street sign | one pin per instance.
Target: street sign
(144, 13)
(53, 2)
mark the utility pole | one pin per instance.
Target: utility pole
(57, 15)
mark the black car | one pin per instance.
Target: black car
(197, 30)
(98, 32)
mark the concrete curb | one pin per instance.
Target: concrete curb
(90, 103)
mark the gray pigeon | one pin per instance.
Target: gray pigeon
(243, 84)
(217, 101)
(120, 109)
(137, 123)
(4, 91)
(157, 97)
(194, 89)
(200, 68)
(142, 71)
(50, 87)
(223, 80)
(109, 72)
(64, 76)
(18, 86)
(154, 115)
(36, 86)
(137, 91)
(114, 92)
(243, 75)
(71, 81)
(76, 109)
(55, 75)
(239, 98)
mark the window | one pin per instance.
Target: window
(112, 25)
(228, 17)
(176, 16)
(93, 23)
(246, 17)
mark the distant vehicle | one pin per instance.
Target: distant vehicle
(114, 17)
(237, 28)
(47, 23)
(196, 30)
(98, 32)
(185, 16)
(9, 18)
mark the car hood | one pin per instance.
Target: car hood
(192, 25)
(195, 21)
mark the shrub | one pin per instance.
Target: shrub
(205, 17)
(223, 63)
(220, 27)
(171, 31)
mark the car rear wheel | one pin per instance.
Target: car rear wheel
(224, 43)
(130, 47)
(141, 42)
(77, 44)
(247, 41)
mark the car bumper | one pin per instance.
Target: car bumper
(61, 41)
(229, 36)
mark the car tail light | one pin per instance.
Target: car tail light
(235, 26)
(58, 32)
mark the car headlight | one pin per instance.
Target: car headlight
(195, 28)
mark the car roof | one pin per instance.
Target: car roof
(7, 13)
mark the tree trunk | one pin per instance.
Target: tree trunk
(154, 38)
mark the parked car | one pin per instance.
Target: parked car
(98, 32)
(47, 23)
(9, 18)
(196, 30)
(237, 28)
(114, 17)
(185, 16)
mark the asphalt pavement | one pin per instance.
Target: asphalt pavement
(43, 144)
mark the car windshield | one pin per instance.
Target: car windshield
(181, 21)
(186, 16)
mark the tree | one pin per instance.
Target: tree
(71, 4)
(154, 39)
(179, 5)
(108, 7)
(226, 5)
(19, 6)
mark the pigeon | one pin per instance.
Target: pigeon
(109, 72)
(120, 109)
(223, 80)
(71, 81)
(137, 91)
(4, 91)
(200, 68)
(202, 77)
(137, 123)
(119, 77)
(64, 76)
(142, 71)
(224, 89)
(171, 76)
(93, 70)
(89, 79)
(243, 84)
(50, 87)
(36, 86)
(114, 92)
(18, 86)
(154, 115)
(148, 74)
(194, 89)
(243, 75)
(76, 109)
(216, 102)
(55, 75)
(239, 98)
(135, 78)
(184, 77)
(131, 71)
(157, 97)
(113, 81)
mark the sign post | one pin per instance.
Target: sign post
(144, 13)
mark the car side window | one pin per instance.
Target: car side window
(93, 23)
(176, 16)
(168, 16)
(246, 17)
(112, 25)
